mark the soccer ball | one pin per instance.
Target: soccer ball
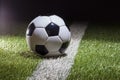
(48, 35)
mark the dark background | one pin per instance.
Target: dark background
(69, 10)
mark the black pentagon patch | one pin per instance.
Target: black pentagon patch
(63, 47)
(31, 29)
(52, 29)
(41, 49)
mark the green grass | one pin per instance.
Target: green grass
(16, 61)
(98, 56)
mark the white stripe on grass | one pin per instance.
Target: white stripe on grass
(59, 68)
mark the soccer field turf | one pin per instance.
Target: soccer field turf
(98, 56)
(16, 61)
